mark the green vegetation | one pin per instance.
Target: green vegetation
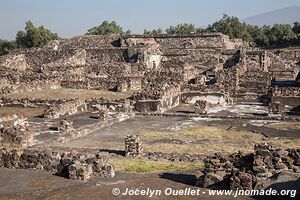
(34, 36)
(207, 140)
(106, 28)
(6, 46)
(31, 37)
(153, 32)
(276, 36)
(143, 166)
(182, 29)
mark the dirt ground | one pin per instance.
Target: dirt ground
(31, 185)
(66, 93)
(191, 135)
(39, 185)
(181, 134)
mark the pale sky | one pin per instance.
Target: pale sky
(74, 17)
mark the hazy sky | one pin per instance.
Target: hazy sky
(75, 17)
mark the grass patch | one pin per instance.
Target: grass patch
(207, 140)
(142, 166)
(199, 132)
(64, 93)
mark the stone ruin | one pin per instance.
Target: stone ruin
(102, 113)
(72, 165)
(201, 107)
(162, 72)
(160, 69)
(248, 171)
(14, 131)
(65, 126)
(133, 146)
(66, 108)
(274, 108)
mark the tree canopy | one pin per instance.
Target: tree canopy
(106, 28)
(34, 36)
(182, 29)
(6, 46)
(153, 32)
(276, 36)
(31, 37)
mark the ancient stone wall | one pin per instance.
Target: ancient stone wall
(248, 171)
(201, 107)
(286, 96)
(211, 98)
(71, 165)
(212, 40)
(67, 108)
(85, 42)
(286, 91)
(133, 146)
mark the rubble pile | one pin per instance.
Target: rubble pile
(201, 107)
(102, 113)
(248, 171)
(14, 131)
(65, 126)
(71, 165)
(274, 108)
(133, 146)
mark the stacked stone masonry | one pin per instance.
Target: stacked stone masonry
(133, 146)
(248, 171)
(155, 67)
(72, 165)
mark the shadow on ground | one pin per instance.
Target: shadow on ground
(187, 179)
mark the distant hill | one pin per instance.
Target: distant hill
(282, 16)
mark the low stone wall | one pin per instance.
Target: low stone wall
(286, 91)
(211, 98)
(71, 165)
(30, 86)
(68, 108)
(211, 40)
(147, 106)
(248, 171)
(27, 102)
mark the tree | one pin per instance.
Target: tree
(296, 28)
(128, 32)
(34, 36)
(106, 28)
(153, 32)
(182, 29)
(6, 46)
(280, 35)
(232, 27)
(257, 35)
